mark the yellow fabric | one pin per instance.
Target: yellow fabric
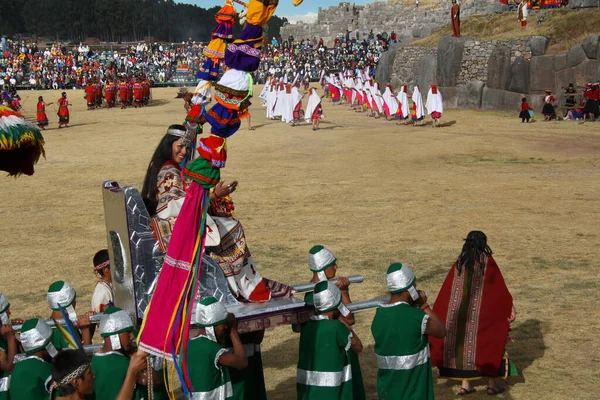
(258, 13)
(215, 49)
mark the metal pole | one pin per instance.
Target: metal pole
(94, 319)
(89, 349)
(307, 287)
(365, 305)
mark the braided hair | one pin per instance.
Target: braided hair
(475, 251)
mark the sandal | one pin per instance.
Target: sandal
(464, 392)
(495, 391)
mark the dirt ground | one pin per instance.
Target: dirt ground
(374, 193)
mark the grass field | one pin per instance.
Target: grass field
(373, 192)
(564, 27)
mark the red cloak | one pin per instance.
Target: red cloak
(487, 318)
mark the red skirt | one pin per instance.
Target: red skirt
(297, 110)
(316, 115)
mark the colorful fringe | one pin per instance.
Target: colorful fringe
(21, 143)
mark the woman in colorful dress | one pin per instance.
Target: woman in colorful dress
(42, 118)
(63, 110)
(477, 310)
(164, 194)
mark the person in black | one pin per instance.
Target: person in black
(570, 93)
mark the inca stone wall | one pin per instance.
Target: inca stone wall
(493, 75)
(497, 54)
(409, 23)
(410, 68)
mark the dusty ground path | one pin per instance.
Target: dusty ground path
(373, 192)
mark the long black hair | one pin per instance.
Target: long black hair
(63, 364)
(162, 154)
(474, 251)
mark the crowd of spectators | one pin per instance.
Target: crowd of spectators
(308, 57)
(60, 66)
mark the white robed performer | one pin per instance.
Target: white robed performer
(287, 113)
(297, 104)
(434, 105)
(313, 109)
(271, 100)
(377, 98)
(280, 94)
(391, 103)
(418, 111)
(402, 98)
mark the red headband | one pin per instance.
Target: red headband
(102, 265)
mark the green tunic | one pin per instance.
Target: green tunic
(4, 377)
(402, 354)
(210, 380)
(30, 379)
(323, 365)
(249, 383)
(110, 370)
(358, 387)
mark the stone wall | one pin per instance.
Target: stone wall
(479, 54)
(412, 66)
(409, 23)
(492, 75)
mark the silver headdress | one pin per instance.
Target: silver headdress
(187, 135)
(328, 297)
(209, 313)
(113, 322)
(400, 278)
(63, 294)
(319, 259)
(36, 335)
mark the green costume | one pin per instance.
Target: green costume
(402, 354)
(249, 383)
(4, 377)
(319, 259)
(324, 370)
(110, 369)
(31, 376)
(209, 379)
(30, 379)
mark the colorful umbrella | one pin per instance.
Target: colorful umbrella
(21, 143)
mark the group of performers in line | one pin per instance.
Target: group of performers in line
(283, 100)
(228, 365)
(134, 92)
(126, 91)
(63, 111)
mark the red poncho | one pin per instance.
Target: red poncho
(476, 321)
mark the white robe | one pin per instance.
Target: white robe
(403, 101)
(313, 102)
(434, 102)
(377, 97)
(278, 111)
(271, 100)
(390, 101)
(287, 113)
(418, 100)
